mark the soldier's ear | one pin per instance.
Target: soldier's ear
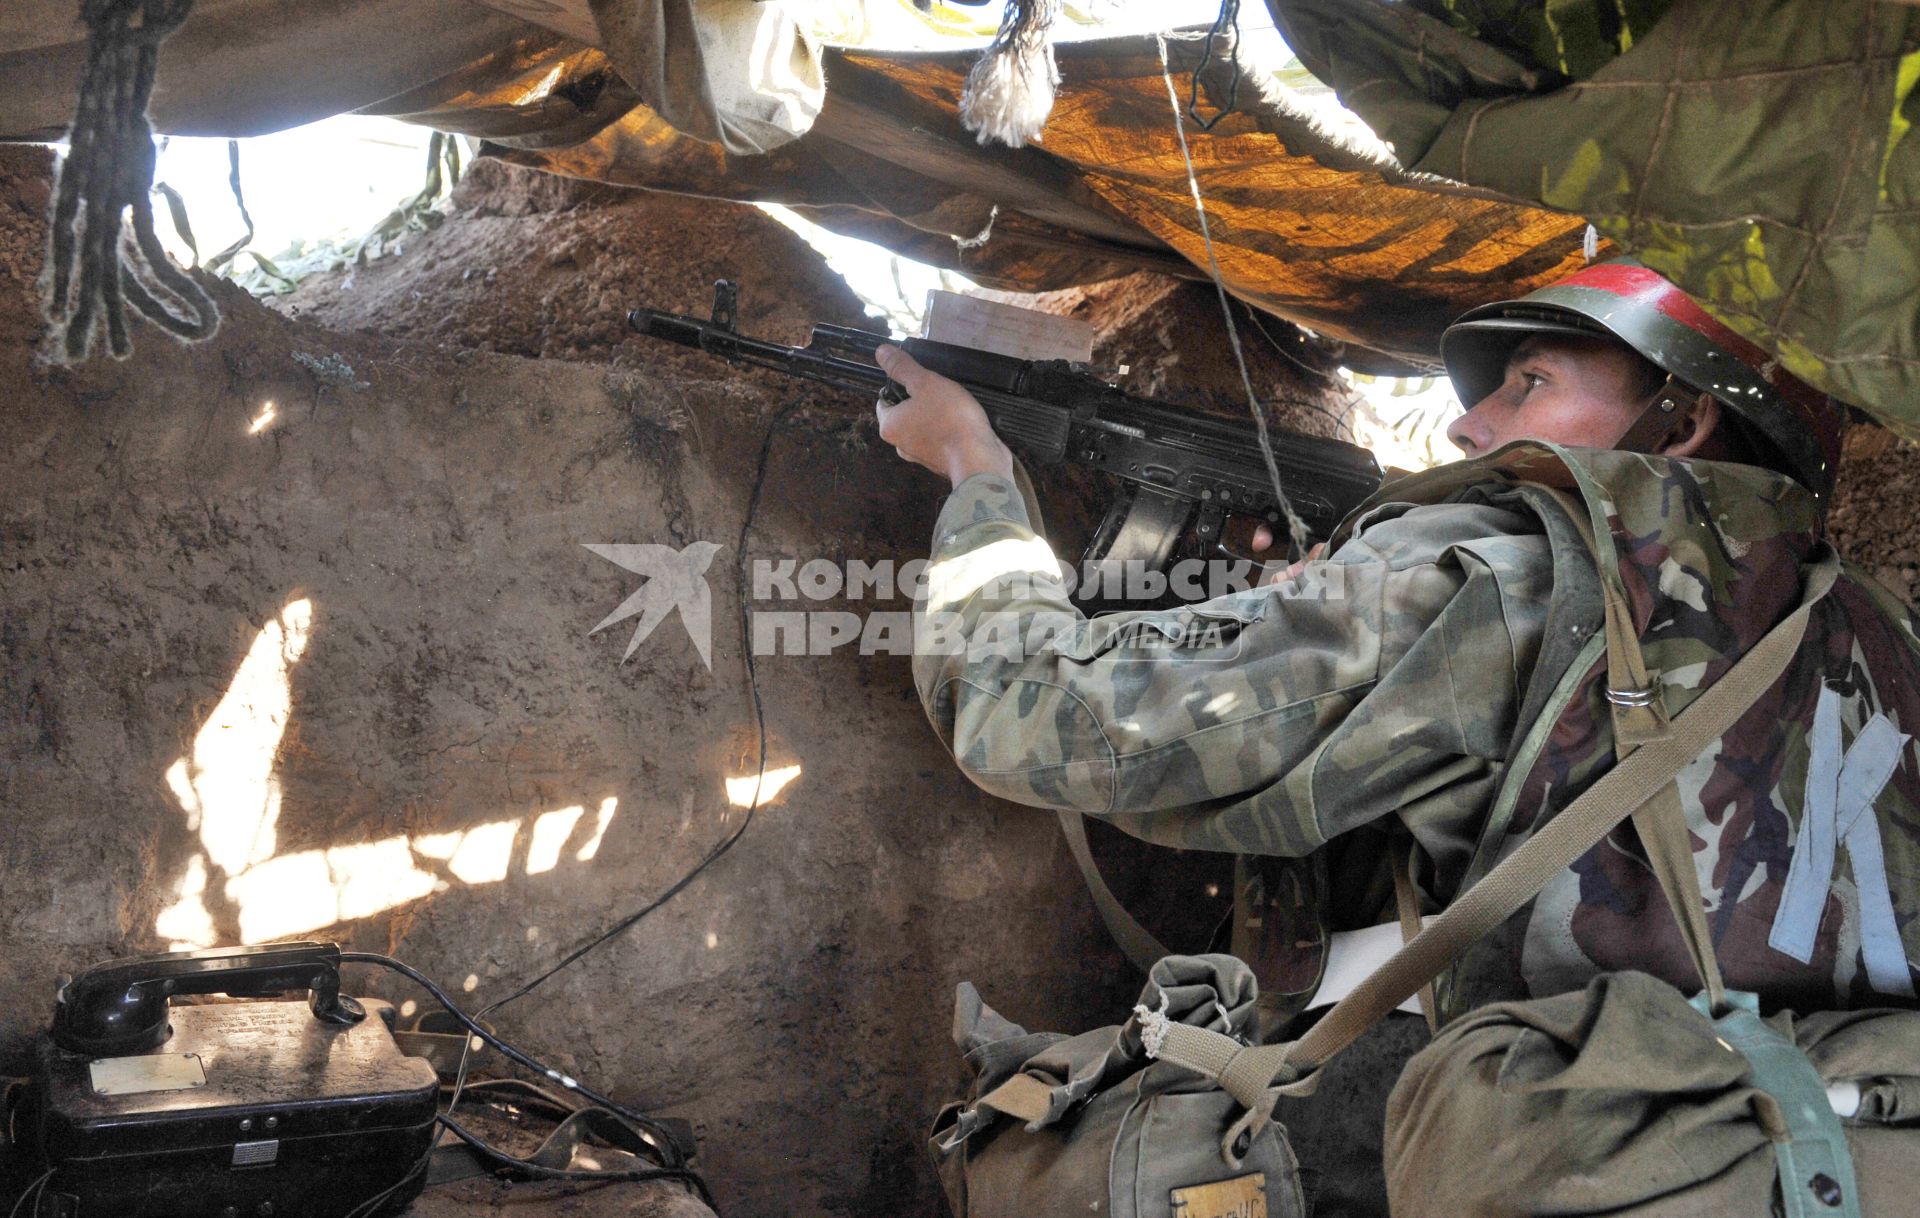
(1692, 433)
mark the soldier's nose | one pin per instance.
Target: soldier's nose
(1463, 431)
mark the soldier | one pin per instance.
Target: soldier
(1437, 684)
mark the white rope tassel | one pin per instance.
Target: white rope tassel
(1153, 1026)
(1009, 92)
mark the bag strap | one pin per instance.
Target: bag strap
(1633, 694)
(1406, 903)
(1639, 716)
(1135, 940)
(1811, 1154)
(1662, 825)
(1249, 1073)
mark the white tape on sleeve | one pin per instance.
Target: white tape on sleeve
(1838, 810)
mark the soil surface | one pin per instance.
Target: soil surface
(1171, 337)
(527, 263)
(1873, 521)
(296, 640)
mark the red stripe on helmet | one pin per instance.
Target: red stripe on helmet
(1650, 287)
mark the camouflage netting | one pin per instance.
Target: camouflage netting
(1755, 154)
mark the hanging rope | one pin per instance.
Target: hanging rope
(1009, 92)
(92, 274)
(1227, 23)
(1296, 527)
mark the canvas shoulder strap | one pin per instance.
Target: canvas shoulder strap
(1135, 940)
(1249, 1073)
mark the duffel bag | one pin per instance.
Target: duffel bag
(1626, 1098)
(1091, 1125)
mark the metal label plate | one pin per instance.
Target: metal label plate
(154, 1072)
(1240, 1197)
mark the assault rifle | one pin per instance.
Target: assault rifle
(1187, 471)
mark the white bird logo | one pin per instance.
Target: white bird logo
(675, 580)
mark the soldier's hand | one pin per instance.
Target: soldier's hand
(939, 424)
(1263, 541)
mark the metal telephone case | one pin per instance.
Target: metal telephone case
(263, 1108)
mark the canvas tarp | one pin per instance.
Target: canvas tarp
(1303, 224)
(1758, 154)
(736, 72)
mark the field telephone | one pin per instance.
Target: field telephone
(141, 1107)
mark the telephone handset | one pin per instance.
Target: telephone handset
(120, 1007)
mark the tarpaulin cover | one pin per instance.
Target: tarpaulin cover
(1758, 154)
(1303, 225)
(736, 72)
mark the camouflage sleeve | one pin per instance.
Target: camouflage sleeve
(1204, 726)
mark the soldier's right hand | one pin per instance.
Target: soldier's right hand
(1263, 538)
(938, 424)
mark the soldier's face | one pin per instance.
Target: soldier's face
(1568, 390)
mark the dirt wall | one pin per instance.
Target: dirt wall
(1873, 520)
(530, 264)
(294, 640)
(327, 671)
(533, 264)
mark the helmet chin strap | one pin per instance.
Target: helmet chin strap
(1664, 415)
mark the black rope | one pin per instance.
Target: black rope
(1228, 19)
(93, 274)
(692, 1179)
(759, 726)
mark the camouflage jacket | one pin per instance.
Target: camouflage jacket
(1440, 675)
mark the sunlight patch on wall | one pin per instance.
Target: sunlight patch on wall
(741, 793)
(315, 888)
(226, 784)
(227, 789)
(592, 846)
(187, 923)
(295, 893)
(550, 833)
(480, 855)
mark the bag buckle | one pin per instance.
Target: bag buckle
(1633, 698)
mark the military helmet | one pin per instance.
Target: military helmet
(1789, 419)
